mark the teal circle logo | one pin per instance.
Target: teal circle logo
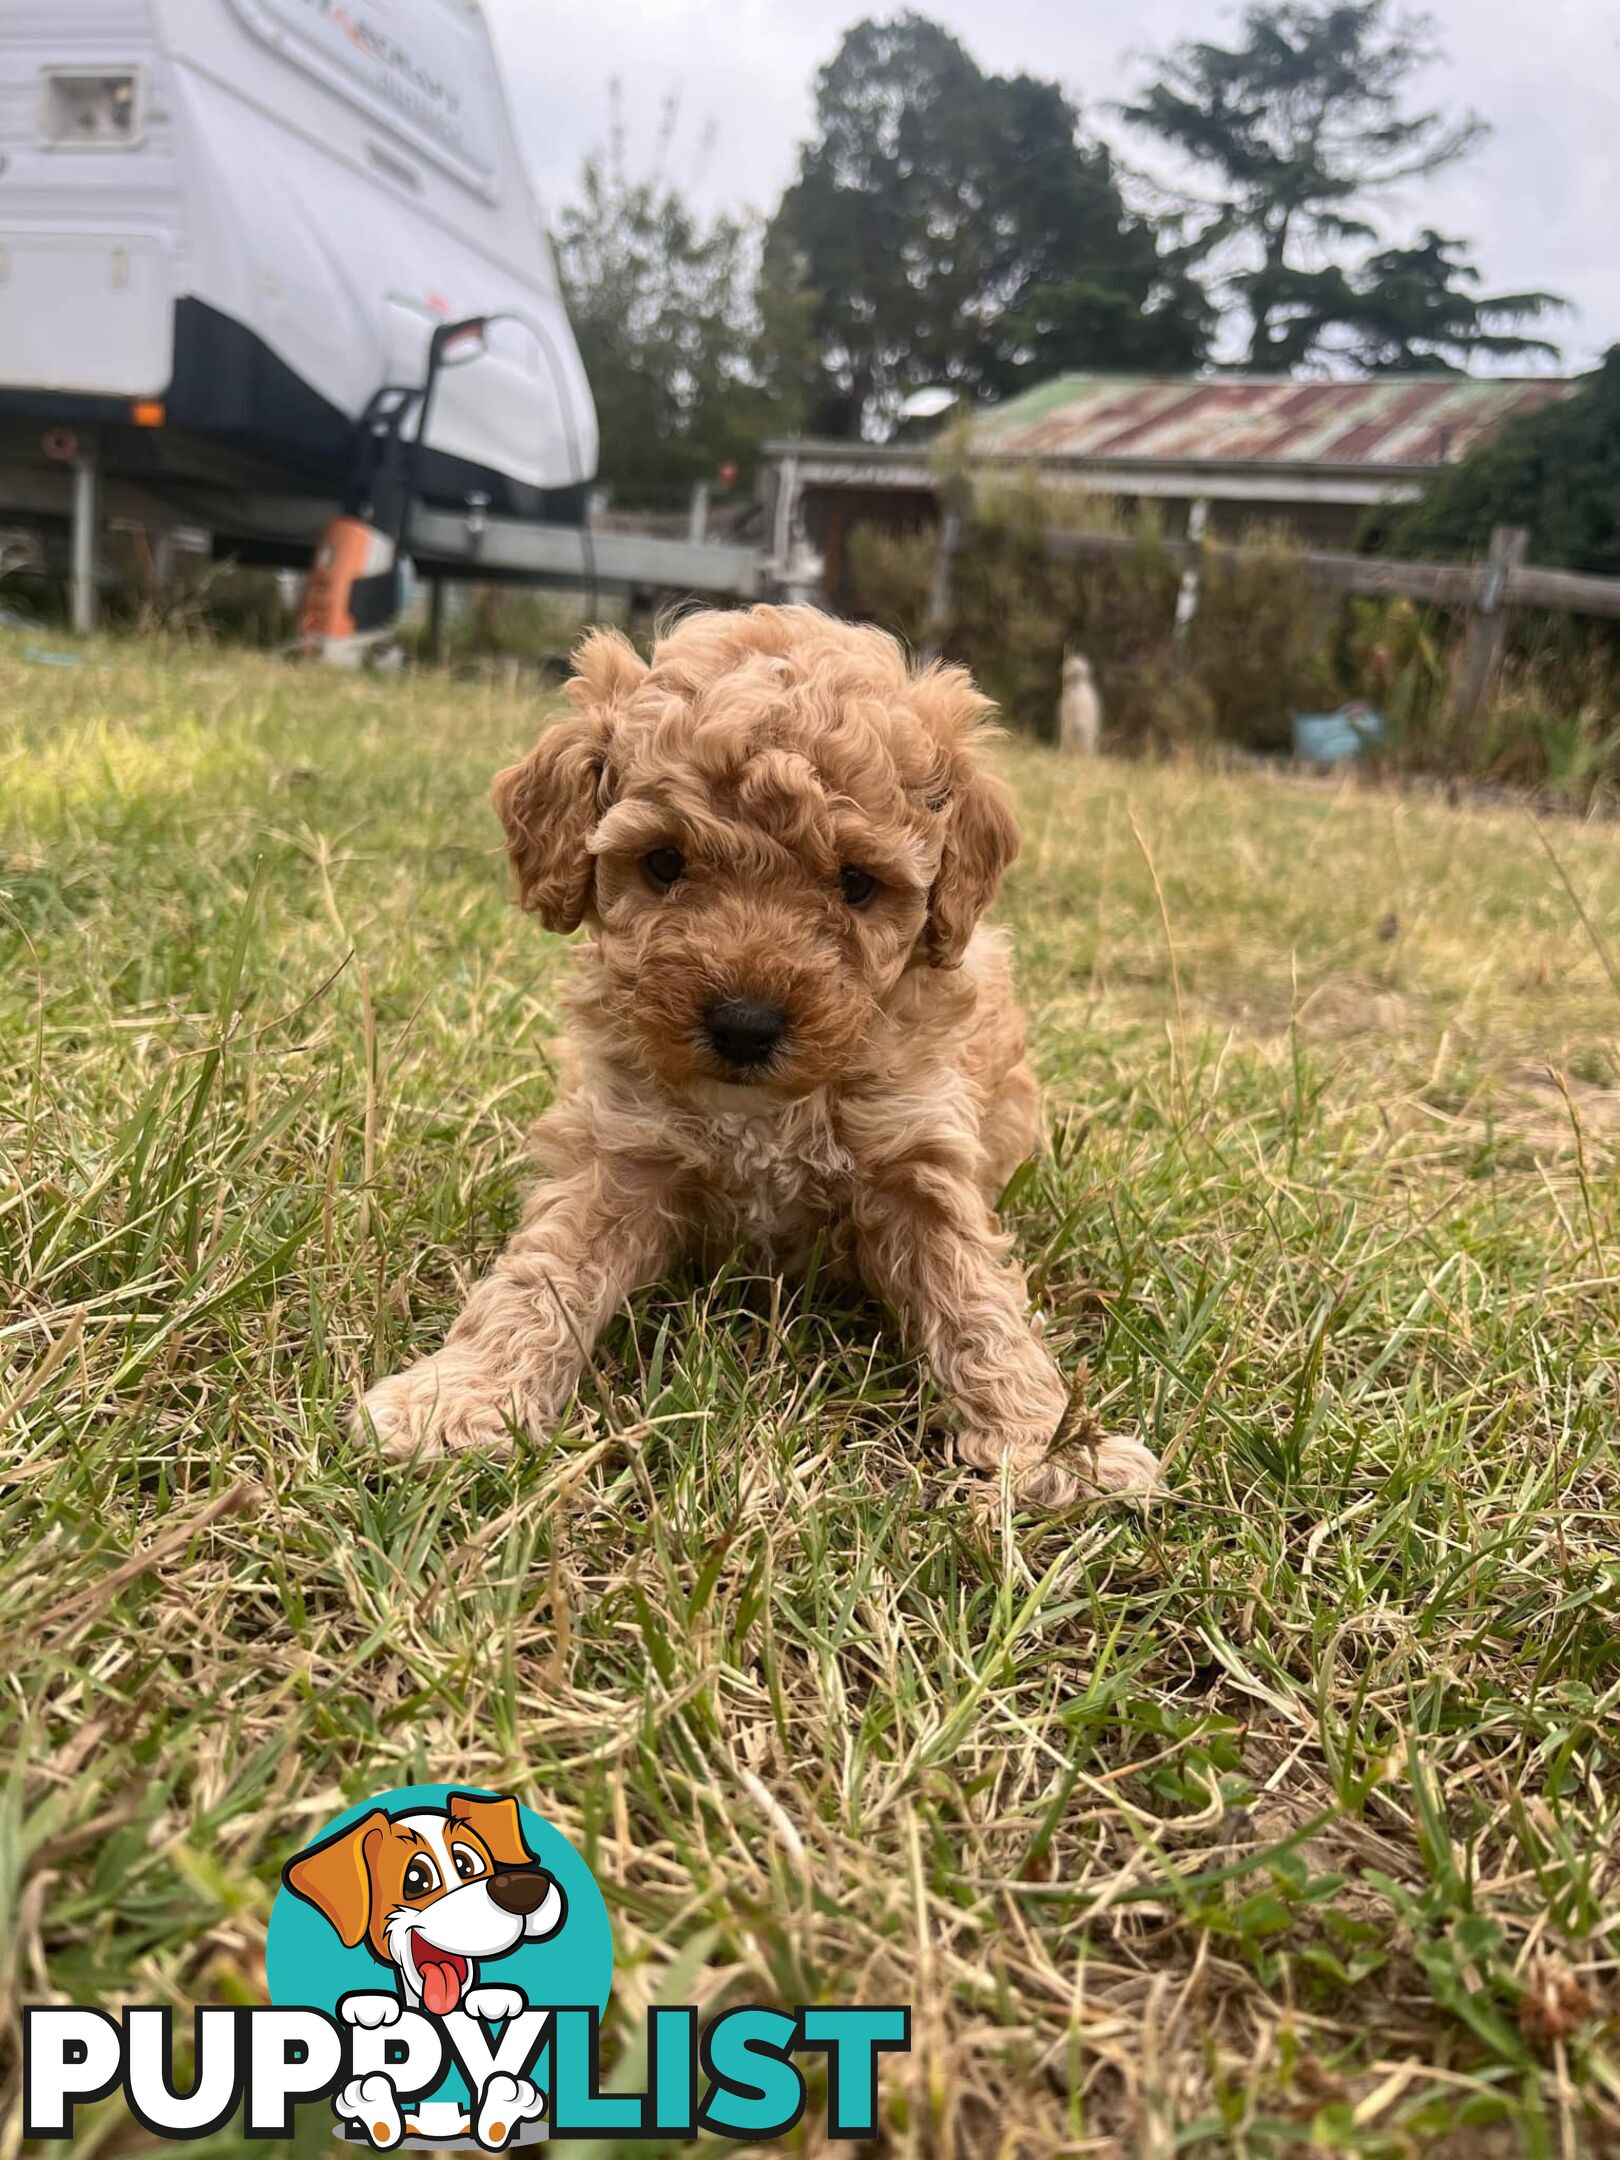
(451, 1903)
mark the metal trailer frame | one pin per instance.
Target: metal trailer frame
(453, 544)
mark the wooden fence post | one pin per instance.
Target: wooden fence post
(1487, 633)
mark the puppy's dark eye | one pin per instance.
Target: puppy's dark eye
(421, 1877)
(859, 887)
(665, 866)
(469, 1865)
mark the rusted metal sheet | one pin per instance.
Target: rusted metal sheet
(1397, 424)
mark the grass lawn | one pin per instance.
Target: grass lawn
(1281, 1818)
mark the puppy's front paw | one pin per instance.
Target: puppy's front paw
(1106, 1467)
(438, 1405)
(1037, 1481)
(1119, 1467)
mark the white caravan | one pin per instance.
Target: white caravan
(224, 224)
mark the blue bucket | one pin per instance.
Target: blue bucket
(1338, 738)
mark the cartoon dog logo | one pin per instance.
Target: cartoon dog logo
(436, 1894)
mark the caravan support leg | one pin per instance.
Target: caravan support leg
(438, 626)
(86, 534)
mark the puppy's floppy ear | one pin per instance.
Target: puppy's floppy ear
(981, 837)
(550, 803)
(497, 1822)
(335, 1877)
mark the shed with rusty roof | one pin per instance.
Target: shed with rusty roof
(1255, 449)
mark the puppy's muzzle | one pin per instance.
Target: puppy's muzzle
(519, 1891)
(744, 1032)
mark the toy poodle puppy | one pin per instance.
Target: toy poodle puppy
(786, 1025)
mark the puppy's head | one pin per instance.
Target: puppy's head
(432, 1891)
(764, 828)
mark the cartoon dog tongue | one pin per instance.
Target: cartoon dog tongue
(442, 1973)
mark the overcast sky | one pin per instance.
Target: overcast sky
(1538, 203)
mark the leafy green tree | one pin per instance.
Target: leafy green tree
(1416, 310)
(952, 227)
(662, 304)
(1556, 471)
(1302, 125)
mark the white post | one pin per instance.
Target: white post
(787, 506)
(939, 598)
(86, 534)
(1192, 576)
(697, 520)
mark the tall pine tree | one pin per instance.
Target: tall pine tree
(1300, 128)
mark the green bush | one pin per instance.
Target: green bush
(892, 573)
(1267, 642)
(1552, 726)
(201, 603)
(1398, 657)
(1556, 471)
(1159, 707)
(504, 622)
(1015, 611)
(1256, 654)
(1258, 647)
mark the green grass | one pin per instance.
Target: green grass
(1258, 1824)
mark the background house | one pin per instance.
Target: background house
(1317, 456)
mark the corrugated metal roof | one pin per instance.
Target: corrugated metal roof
(1395, 423)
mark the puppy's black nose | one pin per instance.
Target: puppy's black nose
(519, 1890)
(744, 1031)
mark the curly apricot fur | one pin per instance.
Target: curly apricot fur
(773, 749)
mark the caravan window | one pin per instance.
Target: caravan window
(428, 74)
(90, 109)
